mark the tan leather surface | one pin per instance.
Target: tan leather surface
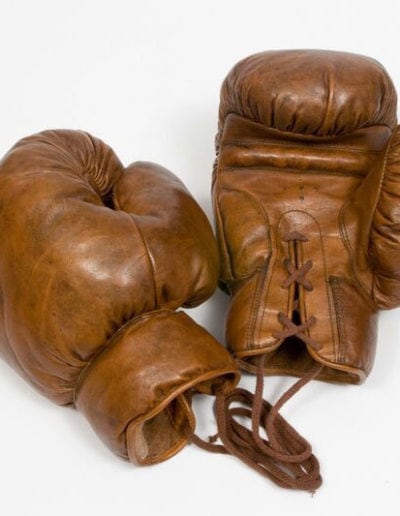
(94, 261)
(145, 356)
(308, 146)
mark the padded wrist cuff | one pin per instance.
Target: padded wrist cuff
(133, 392)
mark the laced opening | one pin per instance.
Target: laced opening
(284, 456)
(297, 276)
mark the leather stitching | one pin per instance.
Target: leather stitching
(254, 142)
(379, 191)
(221, 234)
(255, 305)
(148, 254)
(309, 171)
(259, 207)
(351, 254)
(334, 283)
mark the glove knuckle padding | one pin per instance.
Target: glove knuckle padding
(307, 169)
(327, 97)
(90, 276)
(189, 274)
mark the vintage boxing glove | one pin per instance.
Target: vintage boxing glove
(95, 260)
(306, 193)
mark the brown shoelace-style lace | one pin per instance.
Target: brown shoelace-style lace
(297, 276)
(283, 455)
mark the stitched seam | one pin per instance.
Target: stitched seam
(258, 291)
(259, 207)
(251, 327)
(331, 308)
(148, 254)
(294, 134)
(351, 255)
(150, 260)
(334, 282)
(266, 285)
(383, 175)
(308, 171)
(222, 236)
(254, 142)
(215, 188)
(251, 198)
(263, 296)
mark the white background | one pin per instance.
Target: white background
(145, 76)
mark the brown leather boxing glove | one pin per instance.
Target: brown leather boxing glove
(306, 194)
(95, 260)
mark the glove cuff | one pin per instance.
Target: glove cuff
(133, 392)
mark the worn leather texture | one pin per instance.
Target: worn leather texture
(95, 261)
(306, 193)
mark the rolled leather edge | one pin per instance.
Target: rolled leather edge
(133, 391)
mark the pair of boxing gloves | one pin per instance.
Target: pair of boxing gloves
(97, 259)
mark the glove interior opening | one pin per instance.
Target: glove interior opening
(162, 435)
(293, 359)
